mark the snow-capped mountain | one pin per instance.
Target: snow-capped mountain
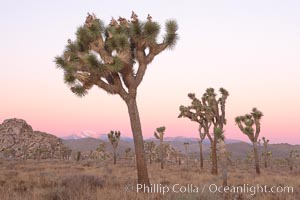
(86, 134)
(92, 134)
(101, 136)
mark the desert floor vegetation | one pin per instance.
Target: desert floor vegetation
(93, 180)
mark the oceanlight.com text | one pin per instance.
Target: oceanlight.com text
(212, 188)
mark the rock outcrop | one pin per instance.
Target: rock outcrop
(19, 140)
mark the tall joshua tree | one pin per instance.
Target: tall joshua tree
(246, 124)
(206, 112)
(159, 134)
(105, 56)
(114, 138)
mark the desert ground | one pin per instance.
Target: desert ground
(95, 179)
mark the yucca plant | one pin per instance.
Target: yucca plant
(250, 125)
(114, 138)
(106, 56)
(159, 134)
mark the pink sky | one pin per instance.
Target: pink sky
(251, 49)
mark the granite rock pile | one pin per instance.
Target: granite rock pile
(18, 140)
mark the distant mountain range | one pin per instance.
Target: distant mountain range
(87, 140)
(238, 149)
(101, 136)
(91, 134)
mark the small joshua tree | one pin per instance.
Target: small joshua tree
(266, 153)
(246, 124)
(127, 154)
(150, 150)
(114, 137)
(115, 58)
(186, 147)
(159, 134)
(102, 149)
(293, 154)
(66, 153)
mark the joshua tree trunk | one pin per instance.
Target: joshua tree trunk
(256, 159)
(266, 164)
(115, 157)
(138, 142)
(214, 169)
(223, 155)
(201, 154)
(161, 154)
(224, 167)
(179, 161)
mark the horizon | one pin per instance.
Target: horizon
(249, 48)
(67, 137)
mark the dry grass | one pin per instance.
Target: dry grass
(92, 180)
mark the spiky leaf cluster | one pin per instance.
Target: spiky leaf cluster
(249, 124)
(104, 55)
(159, 133)
(114, 137)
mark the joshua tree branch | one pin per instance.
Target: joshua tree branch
(240, 125)
(257, 129)
(98, 46)
(111, 89)
(140, 74)
(127, 75)
(118, 83)
(155, 50)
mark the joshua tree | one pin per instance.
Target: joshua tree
(127, 154)
(266, 153)
(186, 147)
(209, 111)
(105, 56)
(101, 149)
(159, 134)
(249, 157)
(293, 154)
(150, 150)
(114, 137)
(245, 124)
(66, 153)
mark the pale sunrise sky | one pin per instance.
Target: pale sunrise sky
(251, 48)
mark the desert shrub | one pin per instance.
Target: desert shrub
(77, 182)
(75, 187)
